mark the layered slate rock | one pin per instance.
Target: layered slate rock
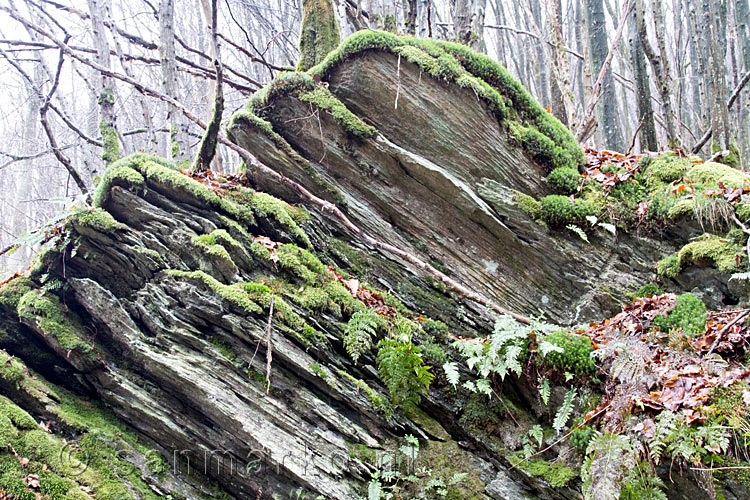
(154, 309)
(431, 146)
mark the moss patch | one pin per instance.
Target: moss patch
(232, 293)
(379, 403)
(46, 311)
(559, 211)
(12, 291)
(319, 34)
(557, 474)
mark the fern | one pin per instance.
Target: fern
(666, 423)
(563, 413)
(537, 434)
(580, 232)
(628, 367)
(544, 391)
(643, 484)
(502, 354)
(451, 373)
(401, 367)
(359, 332)
(609, 461)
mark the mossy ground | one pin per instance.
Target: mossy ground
(92, 453)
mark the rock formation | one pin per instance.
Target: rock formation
(192, 335)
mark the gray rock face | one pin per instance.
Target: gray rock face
(439, 180)
(179, 352)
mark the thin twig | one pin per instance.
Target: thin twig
(562, 438)
(635, 134)
(725, 328)
(269, 348)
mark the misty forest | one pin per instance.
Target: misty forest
(375, 250)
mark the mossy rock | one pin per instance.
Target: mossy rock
(559, 211)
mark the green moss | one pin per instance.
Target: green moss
(446, 459)
(162, 174)
(711, 174)
(11, 370)
(363, 453)
(665, 168)
(223, 348)
(94, 218)
(110, 143)
(669, 266)
(576, 355)
(325, 101)
(528, 204)
(12, 291)
(319, 34)
(565, 180)
(646, 290)
(46, 312)
(282, 312)
(122, 176)
(689, 314)
(281, 214)
(481, 413)
(732, 159)
(426, 422)
(557, 474)
(559, 211)
(722, 252)
(97, 460)
(232, 293)
(379, 403)
(441, 66)
(207, 244)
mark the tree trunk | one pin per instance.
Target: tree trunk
(178, 144)
(541, 64)
(659, 65)
(715, 19)
(642, 87)
(561, 93)
(319, 34)
(608, 109)
(107, 126)
(410, 16)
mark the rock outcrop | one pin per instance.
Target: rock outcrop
(192, 329)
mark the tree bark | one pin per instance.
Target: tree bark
(642, 87)
(209, 143)
(178, 143)
(107, 126)
(319, 34)
(608, 109)
(561, 93)
(715, 19)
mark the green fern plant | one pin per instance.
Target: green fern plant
(359, 332)
(401, 367)
(610, 457)
(643, 484)
(563, 413)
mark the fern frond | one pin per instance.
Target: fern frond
(563, 413)
(610, 459)
(359, 332)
